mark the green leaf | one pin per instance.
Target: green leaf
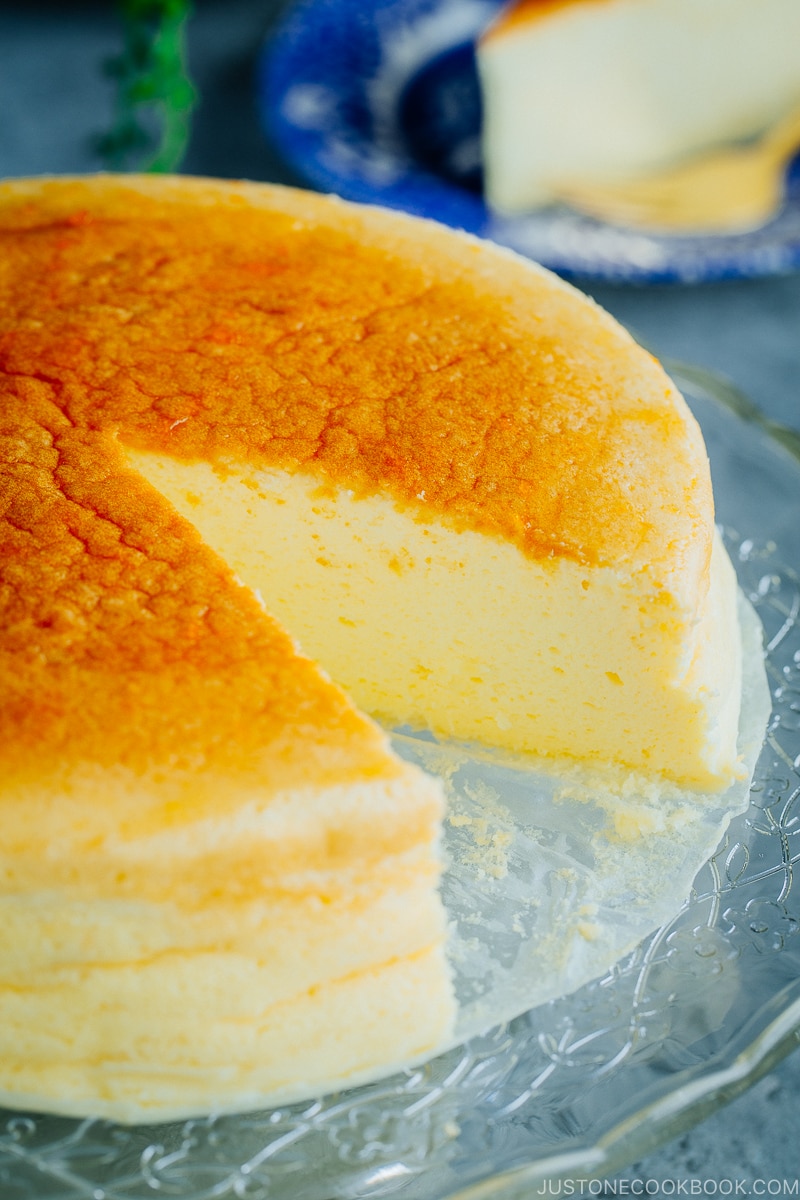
(155, 97)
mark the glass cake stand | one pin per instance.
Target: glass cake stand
(582, 1084)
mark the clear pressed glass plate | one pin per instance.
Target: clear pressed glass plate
(580, 1085)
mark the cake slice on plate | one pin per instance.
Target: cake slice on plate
(590, 93)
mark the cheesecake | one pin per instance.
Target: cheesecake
(595, 94)
(274, 467)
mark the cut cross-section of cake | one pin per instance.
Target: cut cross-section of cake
(461, 488)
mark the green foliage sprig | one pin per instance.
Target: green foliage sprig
(155, 96)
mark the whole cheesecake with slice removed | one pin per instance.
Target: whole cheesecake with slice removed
(238, 420)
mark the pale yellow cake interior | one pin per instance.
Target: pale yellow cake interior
(506, 661)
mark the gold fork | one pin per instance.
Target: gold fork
(724, 191)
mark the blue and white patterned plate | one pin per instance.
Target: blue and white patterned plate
(378, 101)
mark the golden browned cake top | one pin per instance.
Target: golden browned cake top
(272, 329)
(123, 641)
(254, 327)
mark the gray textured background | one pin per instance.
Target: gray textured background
(54, 100)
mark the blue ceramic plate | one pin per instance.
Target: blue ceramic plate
(378, 101)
